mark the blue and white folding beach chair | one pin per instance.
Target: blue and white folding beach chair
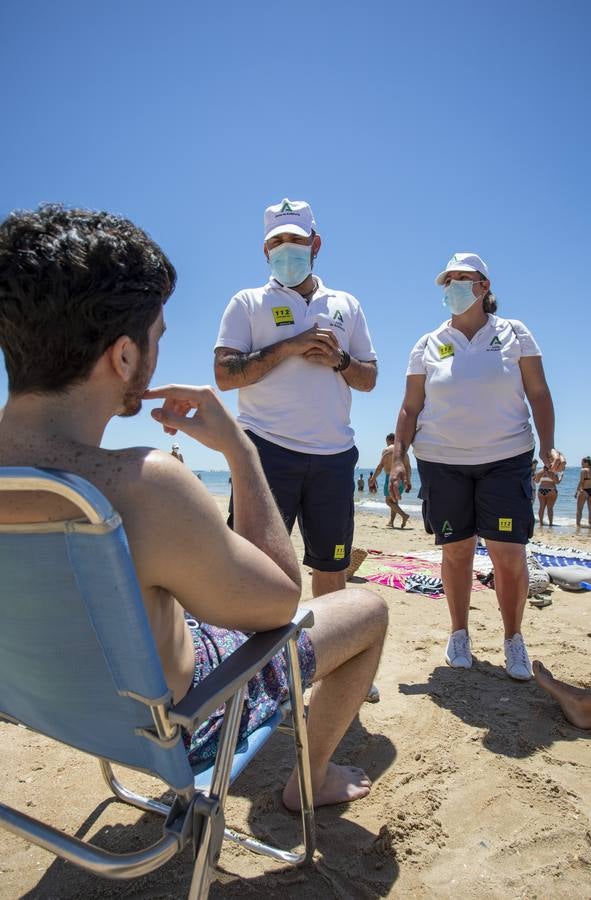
(78, 663)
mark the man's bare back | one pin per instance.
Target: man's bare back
(186, 558)
(117, 474)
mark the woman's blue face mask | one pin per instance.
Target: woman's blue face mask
(459, 297)
(291, 263)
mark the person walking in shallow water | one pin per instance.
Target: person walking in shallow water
(385, 464)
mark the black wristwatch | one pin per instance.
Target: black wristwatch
(344, 363)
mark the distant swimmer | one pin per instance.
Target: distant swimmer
(385, 464)
(583, 491)
(361, 484)
(371, 485)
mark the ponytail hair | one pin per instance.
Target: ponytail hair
(489, 301)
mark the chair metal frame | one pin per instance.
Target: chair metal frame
(195, 816)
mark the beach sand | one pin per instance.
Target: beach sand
(481, 788)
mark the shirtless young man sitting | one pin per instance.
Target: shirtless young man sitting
(81, 316)
(385, 463)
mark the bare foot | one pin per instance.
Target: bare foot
(405, 520)
(390, 525)
(574, 702)
(342, 784)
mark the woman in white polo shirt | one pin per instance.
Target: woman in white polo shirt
(464, 412)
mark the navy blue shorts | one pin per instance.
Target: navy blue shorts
(492, 500)
(318, 490)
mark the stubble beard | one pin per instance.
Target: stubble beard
(132, 399)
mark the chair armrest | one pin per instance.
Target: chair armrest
(234, 672)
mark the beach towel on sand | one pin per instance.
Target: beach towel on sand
(396, 571)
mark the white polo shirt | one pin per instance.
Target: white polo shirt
(300, 405)
(475, 410)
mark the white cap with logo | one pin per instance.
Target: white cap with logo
(463, 262)
(289, 217)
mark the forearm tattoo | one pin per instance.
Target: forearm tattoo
(237, 363)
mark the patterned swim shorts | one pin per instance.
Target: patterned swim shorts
(266, 691)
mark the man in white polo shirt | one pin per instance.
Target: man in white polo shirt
(294, 348)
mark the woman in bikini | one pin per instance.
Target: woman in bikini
(583, 491)
(547, 493)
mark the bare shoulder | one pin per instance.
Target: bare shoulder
(144, 481)
(169, 517)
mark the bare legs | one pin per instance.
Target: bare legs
(541, 508)
(511, 581)
(547, 505)
(348, 635)
(574, 702)
(327, 582)
(395, 510)
(550, 501)
(456, 574)
(582, 498)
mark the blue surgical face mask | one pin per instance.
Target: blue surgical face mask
(458, 296)
(291, 263)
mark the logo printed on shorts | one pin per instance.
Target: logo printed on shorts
(446, 350)
(505, 524)
(446, 529)
(339, 551)
(282, 315)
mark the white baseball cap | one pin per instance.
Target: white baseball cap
(291, 217)
(463, 262)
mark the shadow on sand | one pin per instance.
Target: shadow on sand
(333, 874)
(517, 717)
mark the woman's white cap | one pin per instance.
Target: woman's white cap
(463, 262)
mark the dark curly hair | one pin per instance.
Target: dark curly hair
(72, 281)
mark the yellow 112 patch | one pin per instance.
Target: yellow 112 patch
(446, 350)
(339, 551)
(282, 315)
(505, 524)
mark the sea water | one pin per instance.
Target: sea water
(218, 482)
(564, 508)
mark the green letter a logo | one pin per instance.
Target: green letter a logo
(286, 207)
(446, 528)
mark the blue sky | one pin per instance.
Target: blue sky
(414, 129)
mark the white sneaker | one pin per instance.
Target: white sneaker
(516, 659)
(458, 653)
